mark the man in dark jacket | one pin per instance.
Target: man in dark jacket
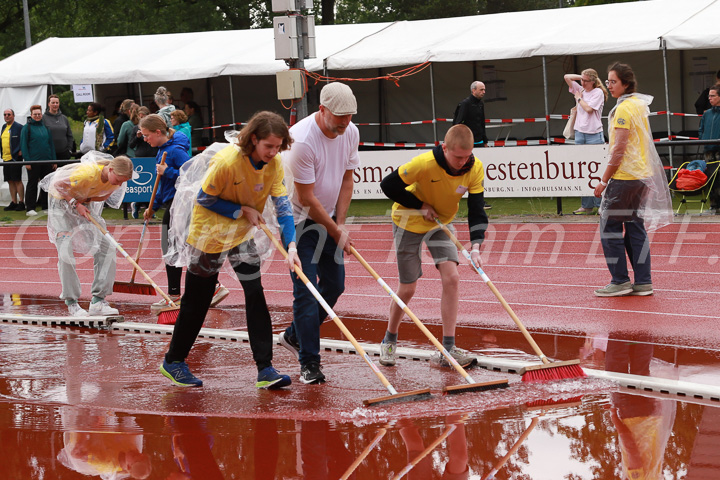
(703, 103)
(471, 112)
(10, 152)
(710, 130)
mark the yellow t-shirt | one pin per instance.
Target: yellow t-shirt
(429, 182)
(630, 115)
(6, 150)
(232, 177)
(85, 181)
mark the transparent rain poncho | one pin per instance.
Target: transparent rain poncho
(641, 161)
(188, 185)
(64, 218)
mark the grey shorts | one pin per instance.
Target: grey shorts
(408, 248)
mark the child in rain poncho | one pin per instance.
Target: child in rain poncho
(77, 191)
(227, 203)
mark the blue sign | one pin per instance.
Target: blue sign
(140, 188)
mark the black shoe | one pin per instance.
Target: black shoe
(290, 343)
(311, 373)
(11, 208)
(20, 207)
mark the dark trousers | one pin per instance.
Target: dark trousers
(323, 264)
(622, 200)
(174, 274)
(36, 173)
(199, 290)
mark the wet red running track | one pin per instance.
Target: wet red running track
(76, 402)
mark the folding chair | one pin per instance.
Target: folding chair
(704, 191)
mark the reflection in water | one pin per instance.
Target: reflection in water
(643, 424)
(191, 444)
(110, 455)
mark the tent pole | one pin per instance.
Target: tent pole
(545, 90)
(432, 99)
(232, 102)
(667, 98)
(140, 93)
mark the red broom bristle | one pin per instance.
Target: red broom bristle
(168, 317)
(552, 402)
(554, 373)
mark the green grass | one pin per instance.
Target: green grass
(544, 207)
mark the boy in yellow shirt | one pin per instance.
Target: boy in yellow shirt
(427, 188)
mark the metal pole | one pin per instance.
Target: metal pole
(26, 21)
(302, 109)
(547, 109)
(667, 98)
(432, 99)
(232, 102)
(140, 93)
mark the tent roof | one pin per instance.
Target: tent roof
(612, 28)
(178, 56)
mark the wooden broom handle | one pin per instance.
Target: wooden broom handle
(152, 201)
(129, 259)
(329, 310)
(412, 316)
(505, 305)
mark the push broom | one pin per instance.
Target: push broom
(548, 370)
(132, 287)
(472, 385)
(167, 316)
(394, 395)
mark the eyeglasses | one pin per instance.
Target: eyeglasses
(7, 114)
(610, 82)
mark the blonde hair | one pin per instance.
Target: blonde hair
(154, 122)
(593, 76)
(125, 105)
(121, 165)
(460, 136)
(133, 113)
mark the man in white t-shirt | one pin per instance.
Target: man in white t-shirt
(322, 160)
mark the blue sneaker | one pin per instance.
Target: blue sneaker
(268, 377)
(180, 374)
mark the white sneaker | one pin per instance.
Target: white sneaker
(102, 308)
(76, 310)
(220, 294)
(157, 307)
(387, 353)
(31, 213)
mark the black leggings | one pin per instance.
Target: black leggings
(195, 303)
(174, 274)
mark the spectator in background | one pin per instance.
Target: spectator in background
(10, 152)
(122, 117)
(710, 130)
(97, 131)
(142, 148)
(59, 127)
(471, 112)
(165, 108)
(703, 102)
(125, 132)
(36, 143)
(186, 95)
(590, 100)
(181, 125)
(192, 110)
